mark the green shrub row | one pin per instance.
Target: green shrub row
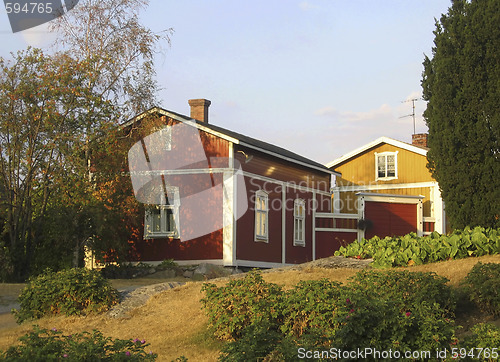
(42, 345)
(71, 292)
(377, 309)
(410, 249)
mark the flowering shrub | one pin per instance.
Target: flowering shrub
(51, 345)
(482, 286)
(70, 292)
(398, 310)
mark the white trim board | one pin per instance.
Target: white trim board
(387, 140)
(391, 198)
(413, 185)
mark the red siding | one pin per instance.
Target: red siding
(201, 201)
(389, 219)
(298, 254)
(262, 164)
(246, 246)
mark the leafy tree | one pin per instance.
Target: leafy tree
(462, 86)
(122, 50)
(48, 114)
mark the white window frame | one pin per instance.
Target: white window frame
(261, 215)
(299, 222)
(163, 207)
(385, 156)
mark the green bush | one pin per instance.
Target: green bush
(311, 306)
(405, 288)
(70, 292)
(410, 249)
(43, 345)
(240, 303)
(482, 285)
(397, 310)
(484, 336)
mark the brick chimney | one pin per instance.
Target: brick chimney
(199, 109)
(419, 139)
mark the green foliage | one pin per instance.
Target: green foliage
(406, 289)
(240, 303)
(396, 309)
(70, 292)
(484, 335)
(461, 84)
(384, 310)
(256, 342)
(413, 250)
(49, 120)
(311, 305)
(6, 267)
(482, 285)
(167, 264)
(125, 270)
(42, 345)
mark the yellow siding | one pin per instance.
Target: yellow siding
(360, 170)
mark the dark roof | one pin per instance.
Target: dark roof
(244, 140)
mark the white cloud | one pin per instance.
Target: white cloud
(383, 112)
(305, 6)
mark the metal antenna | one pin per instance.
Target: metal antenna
(412, 114)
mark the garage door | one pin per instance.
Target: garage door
(389, 219)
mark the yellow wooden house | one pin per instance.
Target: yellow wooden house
(386, 182)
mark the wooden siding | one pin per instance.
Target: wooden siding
(389, 219)
(298, 254)
(360, 170)
(348, 199)
(262, 164)
(194, 214)
(246, 246)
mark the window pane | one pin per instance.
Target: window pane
(381, 166)
(170, 227)
(155, 220)
(391, 166)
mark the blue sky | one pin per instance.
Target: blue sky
(318, 77)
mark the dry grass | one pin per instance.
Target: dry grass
(174, 324)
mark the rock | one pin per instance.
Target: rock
(167, 273)
(188, 274)
(211, 271)
(132, 298)
(236, 271)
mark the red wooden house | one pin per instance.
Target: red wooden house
(214, 195)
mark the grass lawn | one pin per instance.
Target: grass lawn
(174, 323)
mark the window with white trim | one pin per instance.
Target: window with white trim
(299, 222)
(386, 166)
(162, 220)
(261, 216)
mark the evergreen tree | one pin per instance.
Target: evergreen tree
(462, 86)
